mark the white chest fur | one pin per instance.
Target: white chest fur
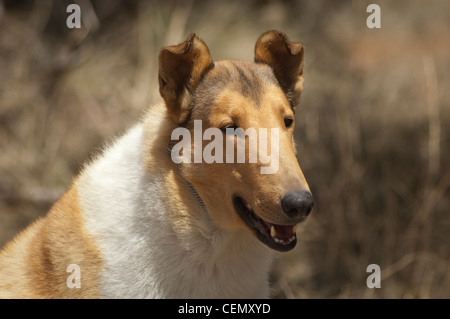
(144, 256)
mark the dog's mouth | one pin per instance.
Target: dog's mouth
(277, 237)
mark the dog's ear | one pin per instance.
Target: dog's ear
(180, 69)
(286, 60)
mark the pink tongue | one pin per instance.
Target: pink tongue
(284, 231)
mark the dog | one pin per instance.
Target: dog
(135, 224)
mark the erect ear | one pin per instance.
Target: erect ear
(286, 60)
(180, 69)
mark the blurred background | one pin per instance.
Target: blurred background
(373, 129)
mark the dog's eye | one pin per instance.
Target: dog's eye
(288, 122)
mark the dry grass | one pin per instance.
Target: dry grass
(372, 126)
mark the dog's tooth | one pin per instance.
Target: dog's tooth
(280, 241)
(273, 232)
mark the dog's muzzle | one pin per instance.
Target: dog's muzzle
(278, 237)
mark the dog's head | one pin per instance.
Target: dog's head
(259, 186)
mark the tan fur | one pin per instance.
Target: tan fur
(261, 191)
(35, 263)
(180, 69)
(173, 188)
(243, 94)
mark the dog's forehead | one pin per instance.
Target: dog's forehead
(248, 79)
(242, 75)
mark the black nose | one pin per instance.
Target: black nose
(297, 204)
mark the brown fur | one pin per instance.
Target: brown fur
(34, 265)
(244, 94)
(225, 93)
(180, 69)
(286, 59)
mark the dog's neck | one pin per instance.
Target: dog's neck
(157, 240)
(211, 250)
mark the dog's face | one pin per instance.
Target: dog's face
(255, 97)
